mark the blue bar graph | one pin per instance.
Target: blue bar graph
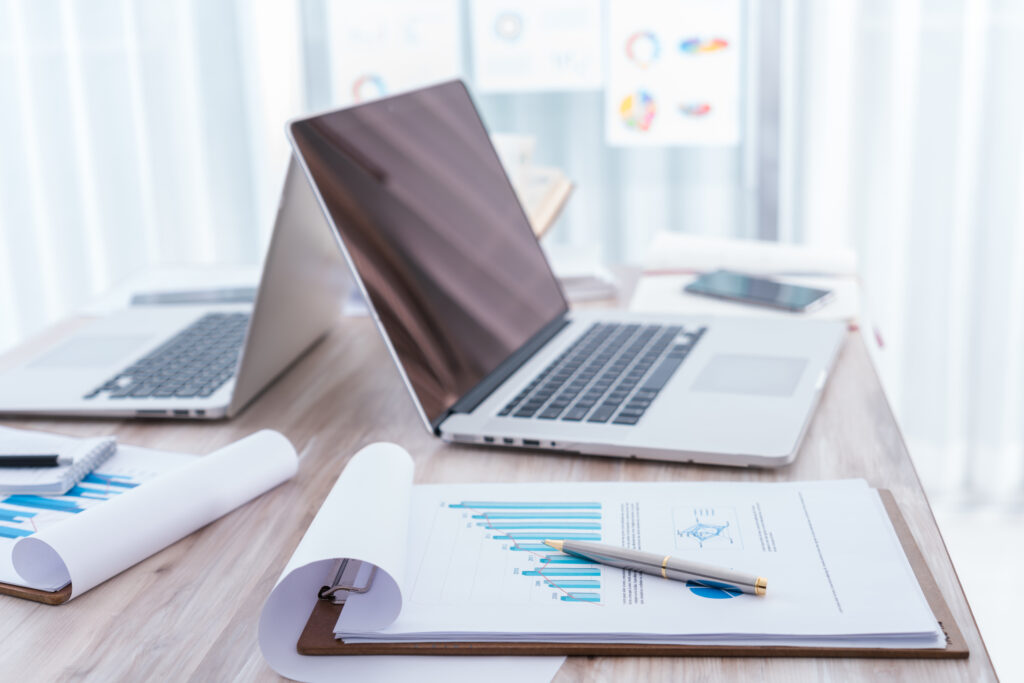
(539, 525)
(89, 493)
(109, 480)
(564, 559)
(507, 505)
(557, 536)
(566, 571)
(11, 532)
(539, 515)
(575, 584)
(16, 515)
(42, 503)
(521, 525)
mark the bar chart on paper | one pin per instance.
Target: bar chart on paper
(24, 515)
(493, 552)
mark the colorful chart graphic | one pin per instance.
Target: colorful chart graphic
(643, 48)
(368, 87)
(696, 46)
(695, 109)
(714, 591)
(637, 110)
(521, 528)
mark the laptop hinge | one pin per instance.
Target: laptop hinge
(475, 396)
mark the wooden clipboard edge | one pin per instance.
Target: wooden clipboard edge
(317, 636)
(955, 643)
(36, 595)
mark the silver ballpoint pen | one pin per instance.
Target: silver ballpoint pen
(665, 566)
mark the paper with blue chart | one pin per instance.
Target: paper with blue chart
(134, 505)
(366, 517)
(470, 563)
(22, 516)
(478, 569)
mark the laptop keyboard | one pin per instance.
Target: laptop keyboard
(611, 373)
(193, 363)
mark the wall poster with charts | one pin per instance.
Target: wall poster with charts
(673, 72)
(537, 45)
(382, 48)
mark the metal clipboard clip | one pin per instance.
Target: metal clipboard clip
(337, 591)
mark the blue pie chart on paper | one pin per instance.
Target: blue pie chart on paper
(713, 590)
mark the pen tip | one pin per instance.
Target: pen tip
(557, 545)
(761, 586)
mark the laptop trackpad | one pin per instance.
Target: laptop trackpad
(90, 351)
(757, 375)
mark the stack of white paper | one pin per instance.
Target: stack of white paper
(467, 562)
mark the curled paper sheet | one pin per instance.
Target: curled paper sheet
(143, 521)
(365, 517)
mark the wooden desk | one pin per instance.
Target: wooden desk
(192, 610)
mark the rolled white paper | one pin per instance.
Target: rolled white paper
(90, 548)
(366, 517)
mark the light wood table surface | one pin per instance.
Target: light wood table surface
(191, 611)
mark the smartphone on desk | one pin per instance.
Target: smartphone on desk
(726, 284)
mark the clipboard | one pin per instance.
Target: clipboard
(58, 597)
(317, 637)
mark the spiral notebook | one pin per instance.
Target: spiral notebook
(86, 455)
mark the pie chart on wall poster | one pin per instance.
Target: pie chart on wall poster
(637, 110)
(643, 48)
(368, 87)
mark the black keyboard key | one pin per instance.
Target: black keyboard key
(662, 374)
(576, 413)
(143, 390)
(551, 413)
(603, 412)
(626, 420)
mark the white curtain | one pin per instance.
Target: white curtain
(907, 142)
(135, 132)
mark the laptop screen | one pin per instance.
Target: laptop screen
(436, 234)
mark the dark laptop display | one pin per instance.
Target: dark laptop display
(436, 233)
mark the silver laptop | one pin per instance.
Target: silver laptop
(481, 333)
(187, 361)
